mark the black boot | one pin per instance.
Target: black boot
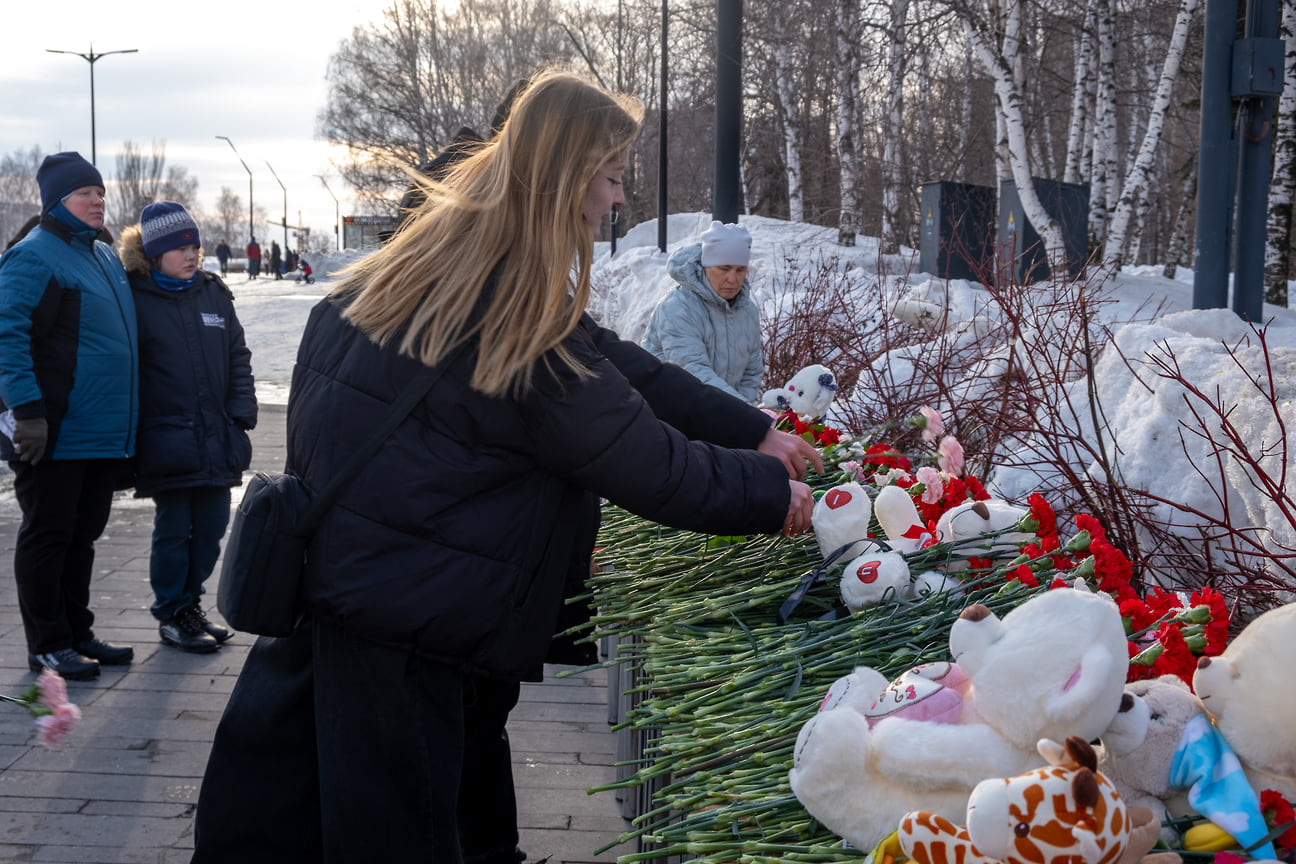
(186, 632)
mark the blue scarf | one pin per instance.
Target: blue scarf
(79, 228)
(1206, 766)
(170, 283)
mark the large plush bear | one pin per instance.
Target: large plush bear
(1053, 667)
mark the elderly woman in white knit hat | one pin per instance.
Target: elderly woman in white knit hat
(709, 324)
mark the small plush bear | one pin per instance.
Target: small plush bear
(809, 393)
(1162, 753)
(1137, 751)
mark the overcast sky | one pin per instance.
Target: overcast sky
(251, 70)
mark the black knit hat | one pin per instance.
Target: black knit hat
(62, 174)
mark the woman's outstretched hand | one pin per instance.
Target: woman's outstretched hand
(800, 507)
(792, 451)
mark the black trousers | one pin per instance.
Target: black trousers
(333, 749)
(488, 832)
(65, 506)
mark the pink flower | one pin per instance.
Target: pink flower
(53, 729)
(931, 479)
(52, 689)
(951, 455)
(933, 423)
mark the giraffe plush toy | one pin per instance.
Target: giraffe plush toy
(1065, 813)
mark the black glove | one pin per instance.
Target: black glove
(29, 439)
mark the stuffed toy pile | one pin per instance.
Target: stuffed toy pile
(873, 571)
(1053, 667)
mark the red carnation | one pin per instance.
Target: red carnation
(1218, 628)
(1278, 812)
(1023, 574)
(1176, 659)
(1043, 514)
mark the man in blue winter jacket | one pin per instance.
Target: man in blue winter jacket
(69, 373)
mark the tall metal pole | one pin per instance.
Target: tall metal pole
(728, 110)
(251, 232)
(1215, 171)
(1259, 59)
(91, 57)
(285, 218)
(337, 215)
(661, 144)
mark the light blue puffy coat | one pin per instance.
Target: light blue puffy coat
(717, 340)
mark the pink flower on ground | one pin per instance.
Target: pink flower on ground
(52, 689)
(934, 425)
(55, 728)
(951, 455)
(931, 479)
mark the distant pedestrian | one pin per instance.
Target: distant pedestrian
(197, 401)
(69, 371)
(223, 255)
(254, 258)
(276, 262)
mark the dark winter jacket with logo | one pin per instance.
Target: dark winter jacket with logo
(197, 396)
(67, 343)
(457, 538)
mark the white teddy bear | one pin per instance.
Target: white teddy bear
(1250, 692)
(809, 393)
(1052, 667)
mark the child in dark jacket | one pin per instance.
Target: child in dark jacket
(197, 401)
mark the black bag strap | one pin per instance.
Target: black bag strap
(413, 393)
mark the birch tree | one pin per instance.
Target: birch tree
(785, 53)
(998, 54)
(1103, 171)
(1283, 185)
(1137, 178)
(892, 174)
(1081, 99)
(847, 73)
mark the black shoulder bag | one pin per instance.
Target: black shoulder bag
(260, 581)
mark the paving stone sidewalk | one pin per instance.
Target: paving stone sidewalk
(124, 788)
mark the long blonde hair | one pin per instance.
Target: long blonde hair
(513, 208)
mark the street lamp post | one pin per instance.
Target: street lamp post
(337, 213)
(251, 232)
(91, 57)
(285, 193)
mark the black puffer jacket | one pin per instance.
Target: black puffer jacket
(197, 395)
(457, 538)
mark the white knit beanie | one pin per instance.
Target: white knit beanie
(726, 245)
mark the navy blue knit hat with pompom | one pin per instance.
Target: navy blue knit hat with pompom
(166, 225)
(61, 174)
